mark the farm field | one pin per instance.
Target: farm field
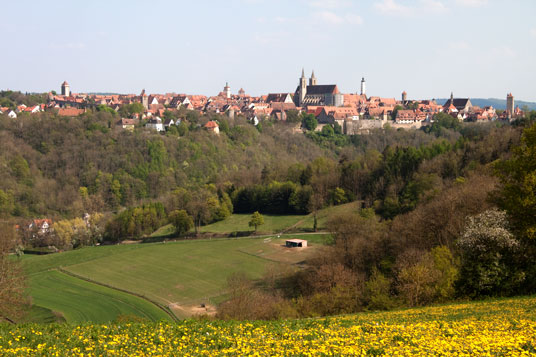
(493, 327)
(81, 301)
(239, 223)
(273, 224)
(180, 275)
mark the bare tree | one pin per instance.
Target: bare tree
(12, 281)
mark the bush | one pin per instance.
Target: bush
(487, 248)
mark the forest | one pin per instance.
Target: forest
(442, 212)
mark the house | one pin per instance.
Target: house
(279, 98)
(34, 109)
(20, 108)
(330, 115)
(408, 116)
(41, 226)
(155, 124)
(169, 122)
(296, 243)
(128, 124)
(179, 101)
(9, 112)
(212, 126)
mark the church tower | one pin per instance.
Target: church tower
(65, 89)
(404, 96)
(312, 80)
(363, 88)
(302, 89)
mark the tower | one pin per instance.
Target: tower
(363, 88)
(227, 90)
(312, 80)
(144, 99)
(65, 89)
(302, 89)
(510, 105)
(404, 96)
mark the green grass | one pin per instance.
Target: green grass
(180, 275)
(164, 231)
(186, 273)
(80, 301)
(39, 314)
(325, 214)
(38, 263)
(273, 223)
(240, 223)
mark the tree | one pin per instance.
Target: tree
(328, 131)
(181, 221)
(417, 277)
(12, 281)
(378, 292)
(309, 122)
(517, 194)
(256, 220)
(395, 111)
(293, 116)
(487, 248)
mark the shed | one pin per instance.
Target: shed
(296, 243)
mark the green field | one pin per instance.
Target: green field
(239, 223)
(180, 275)
(80, 301)
(276, 224)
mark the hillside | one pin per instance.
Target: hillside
(493, 327)
(179, 276)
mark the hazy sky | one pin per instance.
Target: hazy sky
(475, 48)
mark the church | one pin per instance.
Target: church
(315, 94)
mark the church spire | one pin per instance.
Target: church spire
(302, 73)
(312, 80)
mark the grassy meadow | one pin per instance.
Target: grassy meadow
(492, 328)
(81, 301)
(177, 275)
(276, 224)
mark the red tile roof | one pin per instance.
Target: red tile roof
(70, 112)
(211, 125)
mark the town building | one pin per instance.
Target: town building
(314, 94)
(65, 89)
(461, 104)
(213, 127)
(510, 105)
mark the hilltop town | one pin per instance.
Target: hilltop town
(354, 113)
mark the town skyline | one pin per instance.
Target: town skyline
(428, 48)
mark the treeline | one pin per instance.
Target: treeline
(11, 99)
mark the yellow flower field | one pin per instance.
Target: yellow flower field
(499, 327)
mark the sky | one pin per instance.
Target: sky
(429, 48)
